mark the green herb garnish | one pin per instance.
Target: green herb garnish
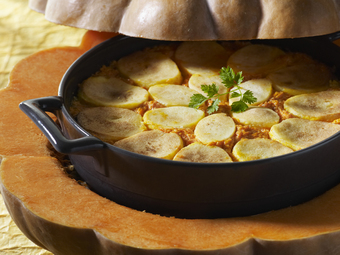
(230, 80)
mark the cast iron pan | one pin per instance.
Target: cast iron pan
(182, 189)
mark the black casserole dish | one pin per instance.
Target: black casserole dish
(182, 189)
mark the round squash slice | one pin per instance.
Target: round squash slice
(258, 117)
(258, 148)
(324, 105)
(256, 59)
(64, 217)
(172, 117)
(201, 57)
(171, 95)
(301, 133)
(111, 123)
(154, 143)
(261, 89)
(214, 128)
(147, 68)
(103, 91)
(301, 79)
(197, 80)
(197, 152)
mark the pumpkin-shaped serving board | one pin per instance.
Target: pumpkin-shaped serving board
(65, 218)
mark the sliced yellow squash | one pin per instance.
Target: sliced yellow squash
(197, 152)
(201, 57)
(147, 68)
(324, 105)
(214, 128)
(197, 80)
(102, 91)
(258, 117)
(300, 133)
(261, 88)
(173, 117)
(171, 95)
(258, 148)
(301, 79)
(153, 143)
(256, 59)
(111, 123)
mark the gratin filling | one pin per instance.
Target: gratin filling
(154, 87)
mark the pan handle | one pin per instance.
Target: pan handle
(36, 110)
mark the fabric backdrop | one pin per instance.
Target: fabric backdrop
(24, 32)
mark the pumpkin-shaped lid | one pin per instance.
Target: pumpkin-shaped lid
(197, 19)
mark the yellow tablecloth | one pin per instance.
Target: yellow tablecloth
(24, 32)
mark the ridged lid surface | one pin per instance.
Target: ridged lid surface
(197, 19)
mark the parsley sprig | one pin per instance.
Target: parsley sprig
(230, 80)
